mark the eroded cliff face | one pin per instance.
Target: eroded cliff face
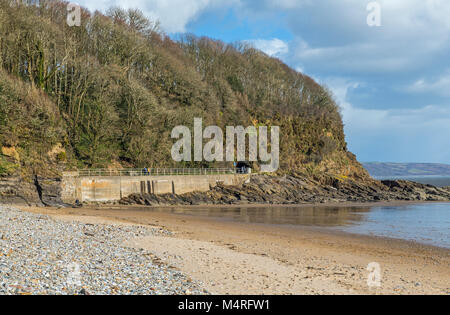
(15, 190)
(37, 191)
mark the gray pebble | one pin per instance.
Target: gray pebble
(39, 255)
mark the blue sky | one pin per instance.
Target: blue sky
(392, 82)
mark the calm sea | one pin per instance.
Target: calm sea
(427, 223)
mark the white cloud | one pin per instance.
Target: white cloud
(174, 15)
(355, 118)
(411, 29)
(373, 119)
(362, 57)
(439, 86)
(273, 47)
(402, 135)
(334, 35)
(300, 69)
(288, 4)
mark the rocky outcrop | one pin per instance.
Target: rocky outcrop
(37, 191)
(18, 191)
(49, 190)
(297, 189)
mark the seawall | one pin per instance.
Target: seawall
(113, 188)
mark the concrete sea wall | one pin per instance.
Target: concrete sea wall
(113, 188)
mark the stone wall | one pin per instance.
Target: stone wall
(113, 188)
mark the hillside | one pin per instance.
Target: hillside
(108, 93)
(407, 169)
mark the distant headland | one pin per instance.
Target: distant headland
(378, 169)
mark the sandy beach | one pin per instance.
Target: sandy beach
(239, 258)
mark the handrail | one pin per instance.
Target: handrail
(156, 172)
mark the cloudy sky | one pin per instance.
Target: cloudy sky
(392, 81)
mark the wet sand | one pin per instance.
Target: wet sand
(242, 258)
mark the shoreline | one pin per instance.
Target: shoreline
(257, 205)
(95, 211)
(242, 258)
(321, 229)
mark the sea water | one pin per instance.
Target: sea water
(427, 223)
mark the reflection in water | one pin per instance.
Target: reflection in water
(306, 216)
(427, 223)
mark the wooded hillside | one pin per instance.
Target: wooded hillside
(109, 92)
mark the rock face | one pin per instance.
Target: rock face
(30, 192)
(49, 190)
(297, 189)
(16, 190)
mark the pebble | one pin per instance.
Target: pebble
(39, 255)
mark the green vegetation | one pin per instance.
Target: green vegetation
(111, 91)
(61, 157)
(6, 167)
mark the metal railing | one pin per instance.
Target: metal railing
(158, 172)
